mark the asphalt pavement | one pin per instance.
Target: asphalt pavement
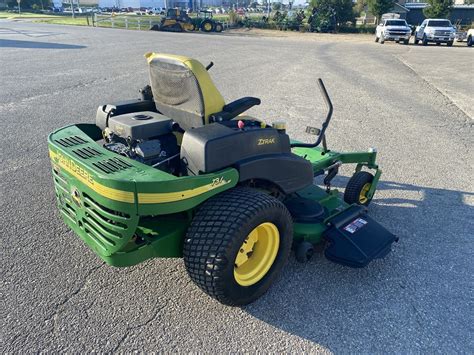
(57, 296)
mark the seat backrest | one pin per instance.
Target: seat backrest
(183, 90)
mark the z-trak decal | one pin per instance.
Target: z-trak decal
(126, 196)
(263, 141)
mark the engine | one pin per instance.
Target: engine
(145, 137)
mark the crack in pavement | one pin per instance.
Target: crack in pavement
(57, 308)
(138, 326)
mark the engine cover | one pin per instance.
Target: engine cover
(140, 125)
(257, 153)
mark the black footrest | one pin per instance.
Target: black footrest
(356, 239)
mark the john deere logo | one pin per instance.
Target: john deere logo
(263, 141)
(76, 196)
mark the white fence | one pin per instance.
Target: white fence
(131, 22)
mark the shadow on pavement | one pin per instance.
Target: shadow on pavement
(411, 301)
(10, 43)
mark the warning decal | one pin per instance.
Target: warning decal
(355, 225)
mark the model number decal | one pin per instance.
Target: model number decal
(219, 181)
(262, 141)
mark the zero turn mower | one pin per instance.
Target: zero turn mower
(180, 173)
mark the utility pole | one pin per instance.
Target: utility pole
(19, 7)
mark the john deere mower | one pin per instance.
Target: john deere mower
(180, 173)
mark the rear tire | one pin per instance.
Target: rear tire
(438, 44)
(424, 41)
(416, 41)
(357, 188)
(382, 40)
(207, 26)
(222, 228)
(376, 39)
(450, 43)
(406, 41)
(469, 41)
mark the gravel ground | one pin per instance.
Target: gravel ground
(58, 296)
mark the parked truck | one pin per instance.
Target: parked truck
(393, 30)
(435, 30)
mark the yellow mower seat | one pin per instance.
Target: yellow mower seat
(183, 90)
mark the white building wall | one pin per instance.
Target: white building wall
(132, 3)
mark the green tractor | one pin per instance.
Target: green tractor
(180, 173)
(205, 22)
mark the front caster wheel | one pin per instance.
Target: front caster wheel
(358, 187)
(237, 244)
(304, 251)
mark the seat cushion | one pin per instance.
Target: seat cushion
(183, 90)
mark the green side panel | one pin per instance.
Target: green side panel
(182, 194)
(161, 237)
(105, 224)
(106, 198)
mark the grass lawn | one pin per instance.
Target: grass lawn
(65, 20)
(13, 15)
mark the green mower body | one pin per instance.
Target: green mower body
(228, 192)
(128, 212)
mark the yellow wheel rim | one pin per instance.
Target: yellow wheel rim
(207, 26)
(363, 193)
(257, 254)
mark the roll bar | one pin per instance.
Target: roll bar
(325, 124)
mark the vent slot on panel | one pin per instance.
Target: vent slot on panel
(87, 152)
(70, 141)
(104, 225)
(112, 165)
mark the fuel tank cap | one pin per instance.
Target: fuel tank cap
(141, 117)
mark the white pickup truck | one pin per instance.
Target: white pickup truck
(393, 30)
(470, 37)
(435, 30)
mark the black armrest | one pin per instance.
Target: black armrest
(234, 109)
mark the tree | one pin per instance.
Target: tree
(380, 7)
(359, 7)
(276, 6)
(329, 11)
(438, 8)
(30, 4)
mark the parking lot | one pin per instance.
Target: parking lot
(413, 103)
